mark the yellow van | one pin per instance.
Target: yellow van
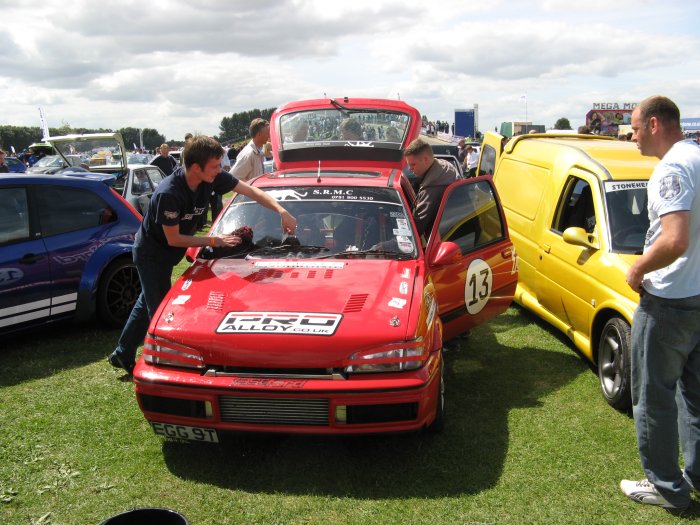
(577, 213)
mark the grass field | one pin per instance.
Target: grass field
(528, 439)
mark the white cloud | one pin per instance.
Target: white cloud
(178, 66)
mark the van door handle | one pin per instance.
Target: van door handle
(546, 248)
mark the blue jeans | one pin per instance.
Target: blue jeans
(666, 391)
(155, 266)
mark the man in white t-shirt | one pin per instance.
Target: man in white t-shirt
(249, 163)
(665, 340)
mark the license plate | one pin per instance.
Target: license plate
(184, 432)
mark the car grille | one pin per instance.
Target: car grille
(274, 411)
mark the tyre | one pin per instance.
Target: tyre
(439, 423)
(614, 364)
(119, 288)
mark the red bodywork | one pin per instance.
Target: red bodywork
(277, 342)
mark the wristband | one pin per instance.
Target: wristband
(211, 241)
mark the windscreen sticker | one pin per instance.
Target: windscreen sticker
(397, 302)
(402, 224)
(477, 290)
(293, 323)
(299, 264)
(397, 215)
(402, 231)
(624, 186)
(405, 244)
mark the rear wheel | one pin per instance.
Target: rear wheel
(119, 288)
(614, 364)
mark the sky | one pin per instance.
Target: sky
(181, 66)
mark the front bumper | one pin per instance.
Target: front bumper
(363, 404)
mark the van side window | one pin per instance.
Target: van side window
(488, 160)
(471, 218)
(575, 207)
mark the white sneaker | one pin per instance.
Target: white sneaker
(644, 491)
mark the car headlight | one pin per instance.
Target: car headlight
(161, 352)
(409, 355)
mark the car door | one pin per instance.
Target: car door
(25, 276)
(470, 257)
(72, 223)
(566, 286)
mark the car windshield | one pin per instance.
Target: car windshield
(139, 158)
(628, 220)
(337, 221)
(49, 161)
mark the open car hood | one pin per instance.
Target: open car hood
(287, 313)
(98, 152)
(344, 131)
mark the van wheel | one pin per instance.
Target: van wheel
(438, 423)
(614, 364)
(119, 288)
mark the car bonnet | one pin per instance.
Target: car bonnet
(288, 313)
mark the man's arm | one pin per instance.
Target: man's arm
(671, 244)
(289, 223)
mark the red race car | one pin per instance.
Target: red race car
(340, 329)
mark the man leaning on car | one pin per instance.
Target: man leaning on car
(168, 228)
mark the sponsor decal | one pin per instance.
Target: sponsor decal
(10, 275)
(360, 144)
(403, 288)
(397, 302)
(294, 323)
(186, 284)
(283, 195)
(171, 214)
(299, 264)
(269, 382)
(611, 187)
(181, 299)
(670, 187)
(477, 290)
(406, 274)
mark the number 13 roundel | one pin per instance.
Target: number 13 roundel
(478, 286)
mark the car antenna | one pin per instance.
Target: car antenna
(318, 177)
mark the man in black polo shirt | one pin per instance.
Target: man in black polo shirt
(165, 161)
(168, 229)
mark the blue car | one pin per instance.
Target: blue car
(15, 165)
(65, 251)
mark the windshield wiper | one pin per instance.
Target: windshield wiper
(350, 254)
(285, 248)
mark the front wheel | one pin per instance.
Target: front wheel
(119, 288)
(438, 423)
(614, 364)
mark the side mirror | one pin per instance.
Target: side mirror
(447, 253)
(579, 237)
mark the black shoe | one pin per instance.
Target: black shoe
(451, 346)
(117, 362)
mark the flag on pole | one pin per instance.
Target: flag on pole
(44, 125)
(523, 98)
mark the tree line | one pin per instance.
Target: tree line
(232, 129)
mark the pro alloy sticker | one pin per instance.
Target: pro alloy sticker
(294, 323)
